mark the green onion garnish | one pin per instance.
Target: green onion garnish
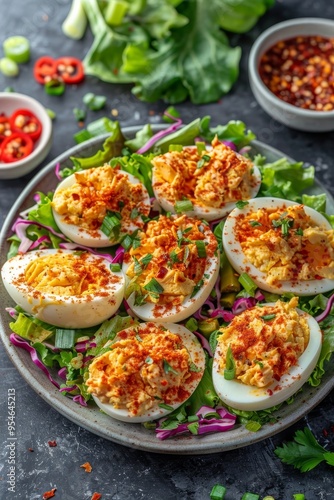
(126, 242)
(229, 372)
(241, 204)
(175, 147)
(193, 428)
(196, 288)
(246, 281)
(137, 266)
(205, 159)
(168, 368)
(64, 338)
(148, 360)
(268, 317)
(254, 223)
(111, 225)
(299, 231)
(154, 286)
(201, 250)
(200, 147)
(134, 213)
(80, 116)
(218, 492)
(144, 261)
(165, 406)
(183, 206)
(115, 268)
(192, 324)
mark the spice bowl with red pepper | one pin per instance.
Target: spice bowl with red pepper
(25, 134)
(291, 73)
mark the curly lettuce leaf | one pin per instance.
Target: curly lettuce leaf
(239, 16)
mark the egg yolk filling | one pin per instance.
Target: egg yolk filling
(286, 244)
(66, 275)
(207, 178)
(265, 342)
(98, 192)
(143, 367)
(170, 262)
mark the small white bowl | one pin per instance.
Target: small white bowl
(10, 102)
(288, 114)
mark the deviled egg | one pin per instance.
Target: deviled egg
(149, 370)
(207, 183)
(265, 355)
(97, 206)
(282, 245)
(172, 271)
(64, 288)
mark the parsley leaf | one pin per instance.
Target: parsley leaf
(304, 452)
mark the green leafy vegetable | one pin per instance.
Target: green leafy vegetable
(304, 452)
(170, 50)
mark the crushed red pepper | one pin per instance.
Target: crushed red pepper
(300, 71)
(96, 496)
(49, 494)
(52, 444)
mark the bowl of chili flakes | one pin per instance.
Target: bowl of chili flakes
(25, 134)
(291, 73)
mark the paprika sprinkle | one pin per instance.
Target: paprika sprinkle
(300, 71)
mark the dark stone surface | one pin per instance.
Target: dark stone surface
(121, 473)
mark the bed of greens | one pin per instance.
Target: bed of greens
(64, 359)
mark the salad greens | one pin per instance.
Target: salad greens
(170, 49)
(38, 227)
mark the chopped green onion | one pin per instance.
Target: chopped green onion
(17, 48)
(168, 368)
(268, 317)
(94, 102)
(200, 147)
(54, 87)
(8, 67)
(75, 23)
(246, 281)
(154, 286)
(138, 337)
(250, 496)
(9, 89)
(175, 147)
(205, 159)
(299, 231)
(193, 428)
(254, 223)
(183, 206)
(115, 11)
(82, 136)
(201, 250)
(134, 213)
(173, 112)
(115, 268)
(241, 204)
(140, 299)
(229, 372)
(197, 288)
(191, 324)
(79, 115)
(127, 242)
(194, 368)
(64, 338)
(218, 492)
(144, 261)
(51, 113)
(148, 360)
(253, 426)
(165, 406)
(111, 225)
(299, 496)
(137, 266)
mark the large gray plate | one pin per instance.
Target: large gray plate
(134, 435)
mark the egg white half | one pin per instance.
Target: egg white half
(63, 311)
(203, 212)
(150, 311)
(196, 352)
(96, 238)
(240, 263)
(249, 398)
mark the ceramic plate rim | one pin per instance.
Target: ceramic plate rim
(134, 435)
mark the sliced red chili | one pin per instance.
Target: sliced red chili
(45, 69)
(5, 129)
(16, 147)
(70, 69)
(23, 120)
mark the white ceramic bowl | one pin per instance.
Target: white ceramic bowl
(292, 116)
(10, 102)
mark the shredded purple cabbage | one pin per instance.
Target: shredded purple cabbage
(24, 344)
(206, 423)
(19, 227)
(12, 312)
(62, 372)
(57, 172)
(159, 135)
(242, 304)
(80, 399)
(327, 310)
(39, 241)
(230, 145)
(68, 388)
(204, 342)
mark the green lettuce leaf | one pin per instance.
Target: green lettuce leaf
(239, 16)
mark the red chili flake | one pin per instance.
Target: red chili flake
(300, 70)
(269, 392)
(30, 449)
(325, 432)
(96, 496)
(52, 444)
(87, 467)
(162, 273)
(49, 494)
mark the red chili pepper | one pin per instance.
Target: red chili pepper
(16, 147)
(45, 69)
(5, 129)
(23, 120)
(70, 69)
